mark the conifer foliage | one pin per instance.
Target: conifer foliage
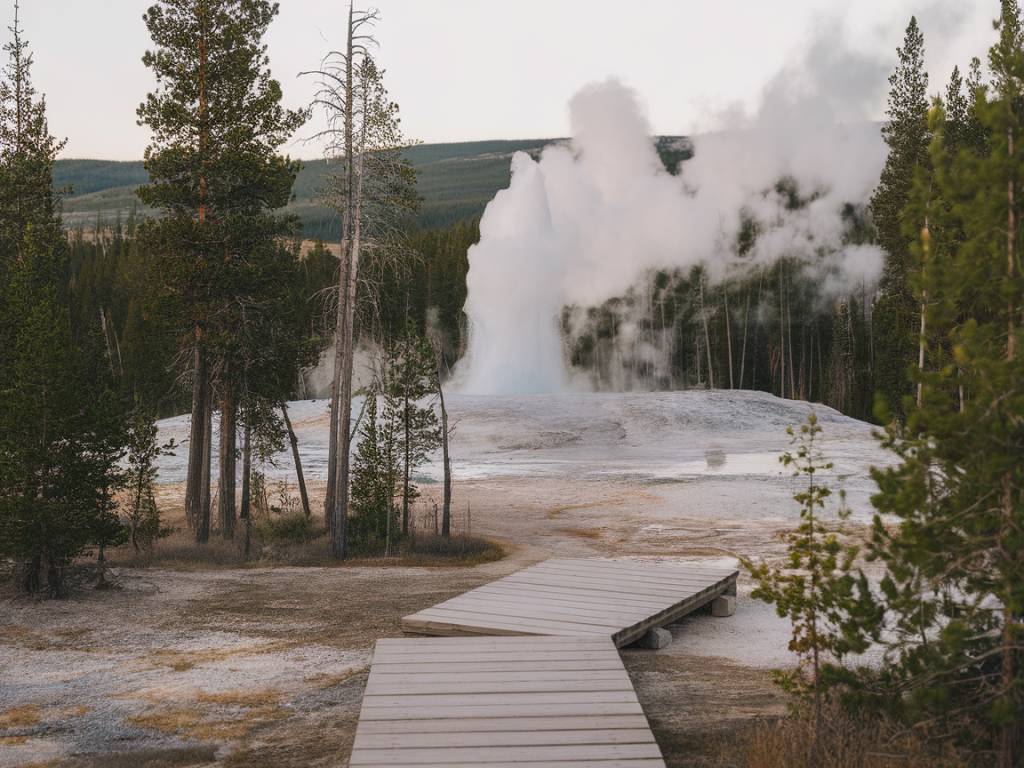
(61, 420)
(216, 174)
(954, 587)
(906, 133)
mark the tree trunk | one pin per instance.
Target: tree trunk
(294, 441)
(246, 511)
(728, 332)
(203, 516)
(789, 334)
(407, 460)
(782, 337)
(228, 463)
(446, 510)
(707, 335)
(743, 352)
(197, 433)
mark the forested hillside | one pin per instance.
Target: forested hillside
(455, 182)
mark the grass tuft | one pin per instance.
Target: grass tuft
(21, 717)
(847, 741)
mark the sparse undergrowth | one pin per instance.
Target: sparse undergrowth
(294, 540)
(847, 741)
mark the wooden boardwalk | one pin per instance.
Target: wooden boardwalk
(528, 673)
(621, 600)
(500, 702)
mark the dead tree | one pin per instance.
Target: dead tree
(364, 140)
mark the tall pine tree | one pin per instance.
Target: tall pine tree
(215, 172)
(61, 422)
(906, 133)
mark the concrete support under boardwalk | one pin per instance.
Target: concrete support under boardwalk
(655, 639)
(723, 606)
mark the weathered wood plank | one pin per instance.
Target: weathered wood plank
(445, 738)
(484, 755)
(499, 724)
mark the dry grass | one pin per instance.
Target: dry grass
(218, 717)
(182, 661)
(582, 533)
(845, 742)
(247, 699)
(21, 717)
(180, 552)
(324, 680)
(12, 741)
(433, 549)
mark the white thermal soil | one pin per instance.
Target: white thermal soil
(718, 435)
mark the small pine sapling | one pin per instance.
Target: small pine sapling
(816, 589)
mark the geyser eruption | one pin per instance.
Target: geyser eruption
(589, 219)
(514, 292)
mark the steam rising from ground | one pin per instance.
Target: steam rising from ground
(590, 219)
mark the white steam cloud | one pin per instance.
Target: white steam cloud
(588, 220)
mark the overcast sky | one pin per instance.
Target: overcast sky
(484, 69)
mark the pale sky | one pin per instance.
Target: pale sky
(488, 69)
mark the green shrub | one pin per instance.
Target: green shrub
(288, 528)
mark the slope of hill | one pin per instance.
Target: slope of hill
(455, 181)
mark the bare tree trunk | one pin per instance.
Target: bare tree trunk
(446, 510)
(743, 352)
(203, 523)
(707, 335)
(728, 332)
(407, 460)
(789, 333)
(294, 441)
(344, 341)
(246, 512)
(782, 337)
(228, 463)
(197, 434)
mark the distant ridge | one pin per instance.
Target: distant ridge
(456, 181)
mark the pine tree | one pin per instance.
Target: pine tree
(374, 523)
(816, 589)
(906, 133)
(140, 510)
(61, 422)
(409, 380)
(215, 172)
(954, 584)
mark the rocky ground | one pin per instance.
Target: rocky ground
(265, 666)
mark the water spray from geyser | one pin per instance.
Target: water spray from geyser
(588, 219)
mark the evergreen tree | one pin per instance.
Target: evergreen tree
(217, 124)
(816, 589)
(61, 423)
(954, 584)
(375, 469)
(906, 134)
(140, 510)
(411, 368)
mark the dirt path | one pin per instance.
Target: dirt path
(265, 667)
